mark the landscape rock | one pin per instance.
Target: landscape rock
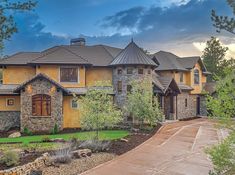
(135, 130)
(14, 135)
(82, 153)
(57, 140)
(124, 140)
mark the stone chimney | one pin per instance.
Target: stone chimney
(78, 41)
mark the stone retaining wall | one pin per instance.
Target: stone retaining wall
(27, 168)
(9, 119)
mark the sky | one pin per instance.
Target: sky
(178, 26)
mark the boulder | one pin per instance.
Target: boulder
(124, 140)
(135, 129)
(14, 135)
(81, 153)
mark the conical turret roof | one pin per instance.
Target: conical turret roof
(132, 55)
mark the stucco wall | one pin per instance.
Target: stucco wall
(5, 107)
(41, 123)
(71, 116)
(53, 72)
(98, 74)
(17, 74)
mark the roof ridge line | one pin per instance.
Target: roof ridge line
(106, 51)
(45, 53)
(75, 54)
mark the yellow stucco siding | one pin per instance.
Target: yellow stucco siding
(5, 107)
(197, 87)
(17, 74)
(98, 74)
(204, 78)
(71, 116)
(53, 72)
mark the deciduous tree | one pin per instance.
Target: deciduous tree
(7, 23)
(97, 108)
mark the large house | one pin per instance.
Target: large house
(37, 87)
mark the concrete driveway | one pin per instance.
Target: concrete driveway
(177, 149)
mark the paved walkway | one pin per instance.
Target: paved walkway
(177, 149)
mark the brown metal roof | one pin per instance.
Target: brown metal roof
(132, 55)
(21, 58)
(167, 61)
(59, 55)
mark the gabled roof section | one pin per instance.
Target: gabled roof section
(59, 55)
(41, 75)
(132, 55)
(190, 62)
(167, 61)
(164, 83)
(97, 55)
(21, 58)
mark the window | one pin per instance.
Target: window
(10, 101)
(181, 77)
(196, 76)
(68, 74)
(149, 71)
(129, 70)
(186, 102)
(41, 105)
(119, 86)
(129, 88)
(140, 71)
(74, 104)
(119, 71)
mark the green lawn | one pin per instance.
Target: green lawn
(103, 135)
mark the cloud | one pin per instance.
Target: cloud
(31, 37)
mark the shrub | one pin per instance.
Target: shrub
(45, 139)
(10, 158)
(26, 131)
(62, 155)
(95, 145)
(55, 130)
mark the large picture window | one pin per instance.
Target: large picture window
(41, 105)
(68, 74)
(196, 76)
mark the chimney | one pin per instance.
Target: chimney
(78, 41)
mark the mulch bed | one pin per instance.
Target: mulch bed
(190, 118)
(23, 160)
(119, 147)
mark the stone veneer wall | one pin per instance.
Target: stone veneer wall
(27, 168)
(126, 79)
(41, 123)
(9, 119)
(190, 110)
(203, 109)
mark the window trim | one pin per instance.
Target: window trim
(7, 105)
(142, 71)
(71, 104)
(36, 115)
(181, 77)
(78, 74)
(131, 71)
(198, 73)
(119, 90)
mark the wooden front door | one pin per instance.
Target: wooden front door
(198, 106)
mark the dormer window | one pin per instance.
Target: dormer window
(196, 76)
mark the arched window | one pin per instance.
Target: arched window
(196, 76)
(41, 105)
